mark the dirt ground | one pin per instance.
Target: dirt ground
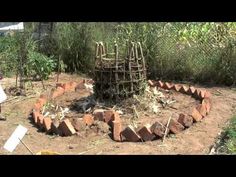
(198, 139)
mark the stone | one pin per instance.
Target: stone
(35, 115)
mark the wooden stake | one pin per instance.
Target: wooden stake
(26, 146)
(166, 128)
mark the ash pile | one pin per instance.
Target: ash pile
(119, 77)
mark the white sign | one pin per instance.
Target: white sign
(15, 138)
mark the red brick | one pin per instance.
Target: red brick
(206, 102)
(54, 127)
(47, 122)
(67, 87)
(109, 116)
(158, 129)
(88, 119)
(145, 133)
(130, 134)
(58, 92)
(177, 87)
(175, 127)
(66, 128)
(73, 85)
(117, 128)
(160, 84)
(202, 94)
(42, 102)
(80, 86)
(184, 89)
(196, 115)
(43, 96)
(99, 114)
(185, 120)
(37, 106)
(207, 94)
(201, 109)
(197, 93)
(78, 124)
(40, 120)
(168, 86)
(90, 81)
(191, 90)
(150, 83)
(59, 85)
(35, 115)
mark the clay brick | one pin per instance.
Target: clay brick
(59, 85)
(196, 115)
(90, 81)
(130, 134)
(40, 120)
(184, 89)
(35, 115)
(206, 102)
(37, 106)
(177, 87)
(73, 85)
(42, 102)
(150, 83)
(158, 129)
(160, 84)
(185, 120)
(78, 124)
(47, 122)
(168, 86)
(145, 133)
(54, 127)
(202, 94)
(109, 116)
(99, 114)
(117, 128)
(197, 93)
(207, 94)
(175, 127)
(88, 119)
(191, 90)
(66, 128)
(67, 87)
(58, 92)
(43, 96)
(80, 86)
(201, 109)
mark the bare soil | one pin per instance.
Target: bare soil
(198, 139)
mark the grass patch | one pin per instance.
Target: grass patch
(229, 141)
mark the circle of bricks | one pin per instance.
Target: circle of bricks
(112, 118)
